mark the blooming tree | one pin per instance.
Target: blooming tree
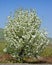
(23, 34)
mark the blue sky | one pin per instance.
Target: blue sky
(43, 8)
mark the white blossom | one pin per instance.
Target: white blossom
(45, 33)
(33, 36)
(8, 16)
(5, 49)
(13, 56)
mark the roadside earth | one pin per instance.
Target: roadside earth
(7, 58)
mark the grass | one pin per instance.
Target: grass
(2, 46)
(47, 52)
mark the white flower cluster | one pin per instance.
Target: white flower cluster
(23, 34)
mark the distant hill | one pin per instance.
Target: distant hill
(2, 35)
(50, 40)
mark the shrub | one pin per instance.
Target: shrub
(23, 34)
